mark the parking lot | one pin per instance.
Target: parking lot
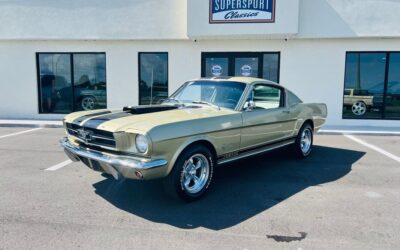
(345, 195)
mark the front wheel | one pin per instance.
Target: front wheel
(191, 175)
(304, 141)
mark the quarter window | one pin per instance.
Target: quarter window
(71, 82)
(153, 78)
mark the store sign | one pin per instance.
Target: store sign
(242, 11)
(216, 70)
(246, 70)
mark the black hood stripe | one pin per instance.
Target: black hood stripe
(80, 119)
(95, 122)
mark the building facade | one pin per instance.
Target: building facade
(63, 56)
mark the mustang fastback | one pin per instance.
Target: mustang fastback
(205, 123)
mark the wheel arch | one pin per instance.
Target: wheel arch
(190, 143)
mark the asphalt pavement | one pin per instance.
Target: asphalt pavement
(344, 196)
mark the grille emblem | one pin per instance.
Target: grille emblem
(87, 135)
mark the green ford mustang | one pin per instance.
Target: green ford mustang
(205, 123)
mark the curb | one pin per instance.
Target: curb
(360, 132)
(29, 125)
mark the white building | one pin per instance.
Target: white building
(341, 52)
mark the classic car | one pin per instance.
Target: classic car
(359, 101)
(205, 123)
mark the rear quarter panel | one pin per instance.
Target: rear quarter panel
(317, 112)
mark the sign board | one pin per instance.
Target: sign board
(242, 11)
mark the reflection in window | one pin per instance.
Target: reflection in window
(270, 67)
(55, 78)
(153, 78)
(364, 81)
(90, 81)
(365, 85)
(392, 107)
(266, 97)
(63, 90)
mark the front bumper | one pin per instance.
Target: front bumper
(117, 165)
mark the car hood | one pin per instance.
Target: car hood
(125, 121)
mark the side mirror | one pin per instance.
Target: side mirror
(249, 106)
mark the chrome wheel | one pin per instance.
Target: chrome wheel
(359, 108)
(306, 141)
(195, 173)
(88, 103)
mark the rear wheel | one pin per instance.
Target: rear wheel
(191, 175)
(304, 141)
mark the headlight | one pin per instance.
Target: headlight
(142, 145)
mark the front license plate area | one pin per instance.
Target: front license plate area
(110, 170)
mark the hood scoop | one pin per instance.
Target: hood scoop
(137, 110)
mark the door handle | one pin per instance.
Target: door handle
(286, 111)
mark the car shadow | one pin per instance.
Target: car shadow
(240, 190)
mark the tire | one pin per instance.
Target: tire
(359, 108)
(88, 103)
(186, 183)
(304, 141)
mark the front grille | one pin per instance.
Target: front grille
(91, 136)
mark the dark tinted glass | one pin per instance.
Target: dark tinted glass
(364, 85)
(246, 66)
(271, 67)
(216, 66)
(59, 93)
(55, 83)
(153, 80)
(253, 64)
(392, 109)
(90, 81)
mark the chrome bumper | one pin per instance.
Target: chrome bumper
(116, 165)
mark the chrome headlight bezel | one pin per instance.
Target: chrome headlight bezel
(142, 143)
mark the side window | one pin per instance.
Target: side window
(267, 97)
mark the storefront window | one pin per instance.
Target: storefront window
(252, 64)
(71, 82)
(368, 92)
(153, 78)
(392, 107)
(271, 67)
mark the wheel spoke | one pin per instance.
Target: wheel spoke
(198, 165)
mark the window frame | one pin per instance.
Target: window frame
(385, 86)
(39, 90)
(232, 55)
(139, 75)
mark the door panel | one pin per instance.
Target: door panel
(269, 120)
(265, 126)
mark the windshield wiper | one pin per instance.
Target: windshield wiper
(207, 103)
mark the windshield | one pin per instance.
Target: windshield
(224, 94)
